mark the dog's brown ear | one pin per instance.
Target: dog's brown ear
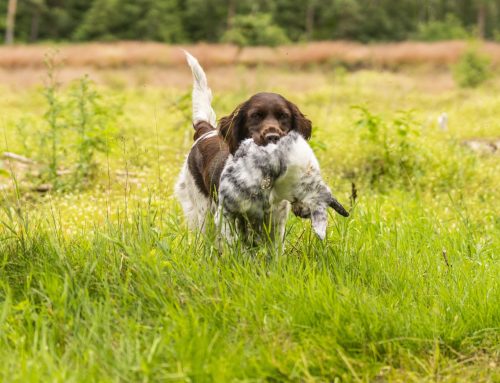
(231, 128)
(300, 123)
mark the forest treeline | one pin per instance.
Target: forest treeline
(248, 22)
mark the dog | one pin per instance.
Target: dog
(265, 118)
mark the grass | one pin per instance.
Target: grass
(129, 53)
(106, 284)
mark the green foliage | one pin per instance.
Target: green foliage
(80, 124)
(131, 20)
(48, 19)
(175, 21)
(51, 138)
(472, 69)
(496, 35)
(205, 20)
(255, 29)
(393, 154)
(94, 122)
(448, 29)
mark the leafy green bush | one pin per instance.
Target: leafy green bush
(472, 69)
(397, 153)
(392, 150)
(79, 123)
(255, 29)
(93, 121)
(448, 29)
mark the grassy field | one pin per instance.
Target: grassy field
(101, 281)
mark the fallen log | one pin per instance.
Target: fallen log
(18, 158)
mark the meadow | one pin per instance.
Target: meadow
(101, 281)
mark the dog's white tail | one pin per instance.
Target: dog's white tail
(202, 95)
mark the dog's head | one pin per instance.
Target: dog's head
(265, 117)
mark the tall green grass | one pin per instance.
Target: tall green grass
(106, 284)
(146, 300)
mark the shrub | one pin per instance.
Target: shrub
(255, 29)
(392, 150)
(472, 69)
(79, 123)
(448, 29)
(53, 116)
(93, 121)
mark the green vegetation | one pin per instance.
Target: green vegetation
(254, 30)
(472, 69)
(176, 21)
(102, 282)
(77, 124)
(448, 29)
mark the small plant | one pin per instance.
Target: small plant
(472, 69)
(93, 124)
(53, 115)
(79, 124)
(392, 150)
(255, 29)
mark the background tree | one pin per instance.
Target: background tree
(131, 20)
(255, 29)
(174, 21)
(11, 21)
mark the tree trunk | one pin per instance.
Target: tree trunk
(11, 21)
(310, 19)
(35, 24)
(481, 19)
(231, 10)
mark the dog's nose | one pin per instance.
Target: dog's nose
(272, 138)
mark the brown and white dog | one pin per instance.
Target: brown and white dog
(264, 117)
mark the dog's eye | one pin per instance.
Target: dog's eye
(282, 116)
(257, 115)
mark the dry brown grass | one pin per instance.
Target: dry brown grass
(221, 78)
(128, 54)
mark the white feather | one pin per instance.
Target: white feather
(443, 121)
(202, 95)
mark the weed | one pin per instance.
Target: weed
(53, 117)
(95, 125)
(392, 152)
(472, 69)
(81, 124)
